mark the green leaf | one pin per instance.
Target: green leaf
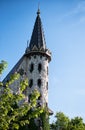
(15, 126)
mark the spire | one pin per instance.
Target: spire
(37, 38)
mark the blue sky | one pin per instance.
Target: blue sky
(64, 27)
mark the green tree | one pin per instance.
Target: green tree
(45, 119)
(76, 124)
(14, 116)
(64, 123)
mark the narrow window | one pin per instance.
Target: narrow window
(30, 83)
(39, 98)
(40, 57)
(31, 67)
(46, 104)
(29, 97)
(47, 85)
(39, 67)
(46, 58)
(38, 104)
(34, 56)
(47, 70)
(39, 83)
(25, 73)
(29, 57)
(21, 71)
(24, 92)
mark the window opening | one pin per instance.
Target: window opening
(30, 83)
(39, 83)
(47, 85)
(31, 67)
(21, 71)
(40, 57)
(39, 98)
(34, 56)
(29, 97)
(38, 104)
(46, 104)
(47, 70)
(29, 57)
(39, 67)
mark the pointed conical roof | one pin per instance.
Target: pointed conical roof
(37, 43)
(37, 38)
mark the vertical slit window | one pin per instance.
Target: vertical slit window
(39, 83)
(40, 57)
(29, 98)
(30, 83)
(31, 67)
(46, 104)
(47, 85)
(39, 67)
(39, 98)
(47, 70)
(38, 104)
(34, 56)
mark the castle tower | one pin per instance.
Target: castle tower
(34, 65)
(38, 58)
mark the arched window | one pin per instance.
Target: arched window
(39, 67)
(30, 83)
(31, 67)
(39, 83)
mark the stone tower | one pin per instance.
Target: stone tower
(38, 60)
(34, 64)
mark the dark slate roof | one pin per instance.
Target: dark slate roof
(37, 38)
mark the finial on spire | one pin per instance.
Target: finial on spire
(38, 12)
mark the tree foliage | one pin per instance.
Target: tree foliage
(45, 119)
(65, 123)
(13, 114)
(76, 124)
